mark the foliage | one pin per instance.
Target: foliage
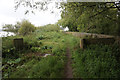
(99, 61)
(39, 5)
(33, 66)
(90, 17)
(15, 61)
(35, 49)
(49, 67)
(49, 27)
(9, 27)
(94, 17)
(17, 26)
(26, 28)
(12, 28)
(40, 37)
(8, 49)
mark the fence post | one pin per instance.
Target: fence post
(81, 43)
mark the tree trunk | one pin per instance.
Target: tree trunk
(118, 23)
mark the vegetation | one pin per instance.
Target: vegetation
(44, 40)
(90, 17)
(99, 61)
(26, 28)
(23, 28)
(9, 28)
(95, 17)
(12, 28)
(45, 47)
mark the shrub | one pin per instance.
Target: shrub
(26, 28)
(35, 49)
(49, 27)
(40, 37)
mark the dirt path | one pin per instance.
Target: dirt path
(68, 67)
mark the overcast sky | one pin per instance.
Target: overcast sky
(9, 16)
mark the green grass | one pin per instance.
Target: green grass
(44, 40)
(97, 61)
(50, 67)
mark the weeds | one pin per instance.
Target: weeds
(43, 40)
(98, 61)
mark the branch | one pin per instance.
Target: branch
(102, 11)
(111, 18)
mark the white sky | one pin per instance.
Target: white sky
(9, 16)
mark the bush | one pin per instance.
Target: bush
(35, 49)
(49, 27)
(40, 37)
(26, 28)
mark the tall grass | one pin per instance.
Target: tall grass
(97, 61)
(44, 40)
(50, 67)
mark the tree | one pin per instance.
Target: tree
(40, 5)
(17, 27)
(83, 16)
(26, 28)
(91, 17)
(8, 27)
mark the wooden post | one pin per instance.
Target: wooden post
(81, 43)
(18, 43)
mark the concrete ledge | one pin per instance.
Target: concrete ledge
(95, 38)
(18, 43)
(106, 41)
(92, 35)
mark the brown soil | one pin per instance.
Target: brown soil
(68, 68)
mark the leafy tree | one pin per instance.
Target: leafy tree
(12, 28)
(40, 5)
(26, 28)
(97, 17)
(91, 17)
(8, 27)
(17, 25)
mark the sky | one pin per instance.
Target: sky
(8, 15)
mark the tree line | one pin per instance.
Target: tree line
(22, 28)
(92, 17)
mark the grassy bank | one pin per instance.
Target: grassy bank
(97, 61)
(29, 62)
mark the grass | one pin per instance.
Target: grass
(45, 40)
(49, 67)
(97, 61)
